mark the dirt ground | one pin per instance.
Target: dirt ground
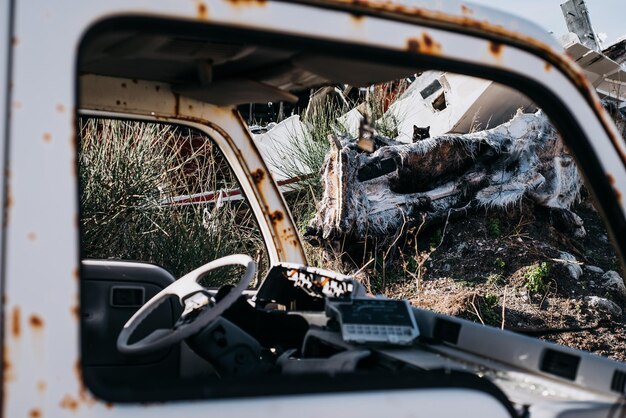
(506, 269)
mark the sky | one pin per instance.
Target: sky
(607, 16)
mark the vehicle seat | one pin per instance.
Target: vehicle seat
(111, 292)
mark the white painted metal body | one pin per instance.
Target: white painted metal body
(41, 254)
(607, 76)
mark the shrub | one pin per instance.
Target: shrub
(500, 263)
(494, 228)
(536, 278)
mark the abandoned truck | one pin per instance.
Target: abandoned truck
(115, 335)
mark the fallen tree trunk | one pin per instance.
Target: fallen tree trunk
(375, 194)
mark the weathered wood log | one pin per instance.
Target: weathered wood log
(375, 194)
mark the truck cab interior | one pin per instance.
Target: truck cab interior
(277, 326)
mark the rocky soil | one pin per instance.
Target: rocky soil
(515, 269)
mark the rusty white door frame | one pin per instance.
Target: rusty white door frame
(41, 358)
(6, 35)
(151, 101)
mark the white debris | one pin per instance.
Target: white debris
(613, 281)
(572, 265)
(568, 39)
(448, 102)
(594, 269)
(278, 145)
(351, 121)
(604, 305)
(605, 74)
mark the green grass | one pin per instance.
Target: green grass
(490, 310)
(303, 156)
(128, 169)
(500, 263)
(494, 228)
(536, 278)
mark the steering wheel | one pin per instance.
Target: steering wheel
(196, 301)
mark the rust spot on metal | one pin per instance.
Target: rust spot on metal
(157, 87)
(83, 394)
(36, 322)
(34, 413)
(60, 108)
(86, 397)
(612, 182)
(548, 67)
(123, 85)
(611, 179)
(495, 48)
(276, 216)
(47, 137)
(258, 175)
(75, 311)
(75, 273)
(247, 2)
(15, 41)
(135, 81)
(357, 18)
(108, 405)
(41, 386)
(17, 105)
(118, 102)
(430, 46)
(428, 41)
(413, 45)
(74, 168)
(424, 45)
(177, 104)
(68, 402)
(9, 202)
(6, 364)
(16, 325)
(466, 10)
(190, 107)
(31, 236)
(203, 11)
(8, 205)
